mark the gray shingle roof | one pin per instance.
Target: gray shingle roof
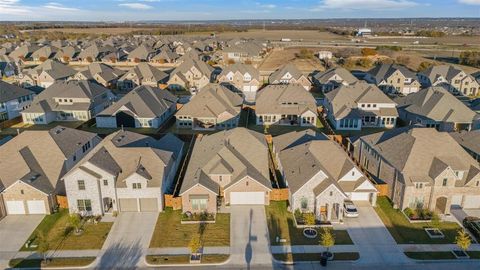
(275, 98)
(11, 92)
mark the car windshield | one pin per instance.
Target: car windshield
(350, 208)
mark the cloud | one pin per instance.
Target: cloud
(59, 7)
(270, 6)
(366, 4)
(139, 6)
(13, 7)
(469, 2)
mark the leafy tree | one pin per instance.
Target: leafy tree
(463, 240)
(43, 245)
(309, 219)
(195, 243)
(327, 239)
(74, 220)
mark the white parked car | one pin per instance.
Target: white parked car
(349, 209)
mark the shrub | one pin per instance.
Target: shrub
(408, 212)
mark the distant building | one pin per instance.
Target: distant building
(364, 32)
(322, 55)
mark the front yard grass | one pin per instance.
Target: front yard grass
(169, 232)
(405, 232)
(185, 259)
(281, 223)
(302, 257)
(60, 234)
(54, 262)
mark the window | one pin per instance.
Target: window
(199, 204)
(478, 183)
(220, 178)
(105, 182)
(22, 192)
(81, 184)
(84, 205)
(418, 185)
(331, 193)
(137, 185)
(444, 182)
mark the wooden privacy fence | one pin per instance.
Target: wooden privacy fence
(174, 202)
(279, 194)
(62, 201)
(11, 122)
(382, 189)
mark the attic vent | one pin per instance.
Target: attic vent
(34, 177)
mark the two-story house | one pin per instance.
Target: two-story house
(393, 78)
(287, 104)
(68, 101)
(125, 172)
(101, 73)
(214, 107)
(422, 167)
(13, 100)
(143, 74)
(360, 105)
(333, 78)
(45, 74)
(289, 74)
(241, 78)
(451, 78)
(191, 74)
(32, 165)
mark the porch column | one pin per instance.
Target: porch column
(329, 211)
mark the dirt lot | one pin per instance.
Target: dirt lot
(279, 58)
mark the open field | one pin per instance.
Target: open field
(97, 30)
(306, 35)
(278, 58)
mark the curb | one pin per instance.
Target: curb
(185, 265)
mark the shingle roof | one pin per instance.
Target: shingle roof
(285, 99)
(11, 92)
(345, 75)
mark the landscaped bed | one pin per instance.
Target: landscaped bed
(169, 232)
(405, 232)
(281, 223)
(439, 255)
(56, 262)
(185, 259)
(60, 235)
(299, 257)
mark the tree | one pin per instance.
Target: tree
(463, 240)
(309, 219)
(195, 244)
(327, 239)
(435, 220)
(74, 220)
(43, 245)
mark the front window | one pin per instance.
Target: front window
(444, 182)
(137, 185)
(199, 204)
(84, 205)
(304, 203)
(81, 184)
(105, 182)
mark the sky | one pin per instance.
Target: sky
(137, 10)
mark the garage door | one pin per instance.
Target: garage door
(149, 205)
(36, 207)
(15, 207)
(360, 196)
(471, 202)
(247, 197)
(457, 201)
(128, 205)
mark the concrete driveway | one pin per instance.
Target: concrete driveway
(372, 238)
(128, 241)
(14, 231)
(249, 243)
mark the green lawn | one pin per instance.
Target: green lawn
(169, 232)
(185, 259)
(411, 233)
(57, 262)
(60, 237)
(299, 257)
(282, 224)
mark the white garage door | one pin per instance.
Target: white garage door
(360, 196)
(15, 208)
(247, 198)
(457, 201)
(36, 207)
(471, 202)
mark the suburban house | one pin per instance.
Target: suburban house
(393, 78)
(319, 175)
(214, 107)
(241, 78)
(226, 168)
(45, 74)
(94, 52)
(125, 172)
(287, 104)
(470, 141)
(289, 74)
(333, 78)
(143, 107)
(451, 78)
(68, 101)
(101, 73)
(422, 167)
(243, 52)
(67, 53)
(191, 75)
(165, 56)
(436, 107)
(44, 53)
(7, 68)
(143, 74)
(13, 100)
(360, 105)
(142, 53)
(33, 163)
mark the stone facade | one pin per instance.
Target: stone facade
(23, 192)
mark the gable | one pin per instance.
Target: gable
(310, 184)
(352, 175)
(366, 185)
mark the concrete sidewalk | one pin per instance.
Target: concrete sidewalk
(439, 247)
(311, 249)
(181, 251)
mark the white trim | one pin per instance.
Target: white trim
(16, 182)
(243, 179)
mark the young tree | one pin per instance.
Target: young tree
(74, 220)
(435, 220)
(43, 245)
(327, 239)
(463, 240)
(309, 219)
(195, 244)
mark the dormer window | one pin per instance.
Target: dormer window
(136, 185)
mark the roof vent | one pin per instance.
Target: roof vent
(34, 177)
